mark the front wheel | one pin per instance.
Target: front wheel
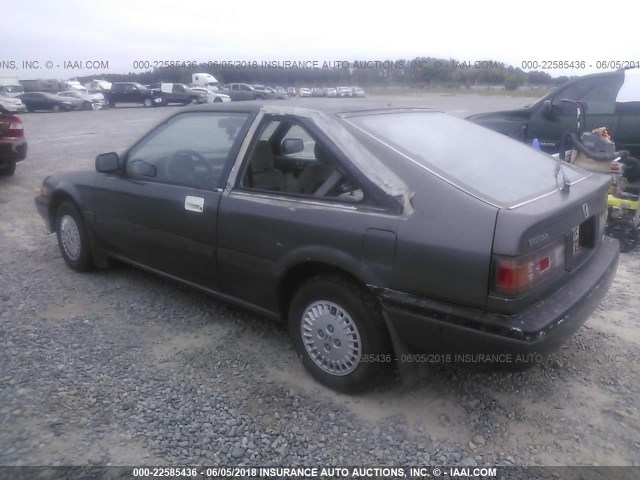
(148, 102)
(338, 332)
(72, 237)
(56, 108)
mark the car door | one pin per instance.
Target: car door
(246, 92)
(179, 93)
(161, 210)
(261, 225)
(628, 135)
(597, 93)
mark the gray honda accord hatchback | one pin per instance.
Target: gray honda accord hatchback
(372, 231)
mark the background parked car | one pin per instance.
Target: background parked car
(90, 101)
(318, 92)
(132, 92)
(12, 105)
(344, 91)
(278, 95)
(612, 99)
(212, 96)
(357, 92)
(304, 92)
(331, 92)
(266, 92)
(178, 93)
(243, 91)
(13, 146)
(49, 101)
(291, 91)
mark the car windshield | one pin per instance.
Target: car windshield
(494, 167)
(13, 89)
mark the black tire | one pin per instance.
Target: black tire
(9, 169)
(371, 355)
(56, 108)
(626, 233)
(87, 106)
(260, 97)
(81, 261)
(217, 100)
(147, 102)
(112, 104)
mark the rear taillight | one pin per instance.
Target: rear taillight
(15, 128)
(513, 277)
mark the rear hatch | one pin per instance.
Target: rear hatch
(550, 217)
(540, 243)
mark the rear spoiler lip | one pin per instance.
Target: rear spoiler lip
(534, 199)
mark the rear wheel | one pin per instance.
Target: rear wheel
(8, 169)
(338, 332)
(87, 106)
(72, 237)
(148, 102)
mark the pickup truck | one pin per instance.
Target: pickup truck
(178, 93)
(243, 91)
(132, 92)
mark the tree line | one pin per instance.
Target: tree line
(425, 72)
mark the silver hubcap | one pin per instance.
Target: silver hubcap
(70, 236)
(331, 338)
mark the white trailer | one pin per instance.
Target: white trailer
(203, 80)
(98, 85)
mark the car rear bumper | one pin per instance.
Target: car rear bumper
(12, 149)
(428, 326)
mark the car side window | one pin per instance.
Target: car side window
(191, 150)
(296, 164)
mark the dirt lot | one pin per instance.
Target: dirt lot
(120, 367)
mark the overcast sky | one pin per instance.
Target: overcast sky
(207, 30)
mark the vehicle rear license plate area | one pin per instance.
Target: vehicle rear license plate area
(580, 242)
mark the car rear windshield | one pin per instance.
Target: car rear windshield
(488, 164)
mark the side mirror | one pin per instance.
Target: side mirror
(292, 145)
(547, 108)
(107, 162)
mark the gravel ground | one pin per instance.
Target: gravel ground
(119, 367)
